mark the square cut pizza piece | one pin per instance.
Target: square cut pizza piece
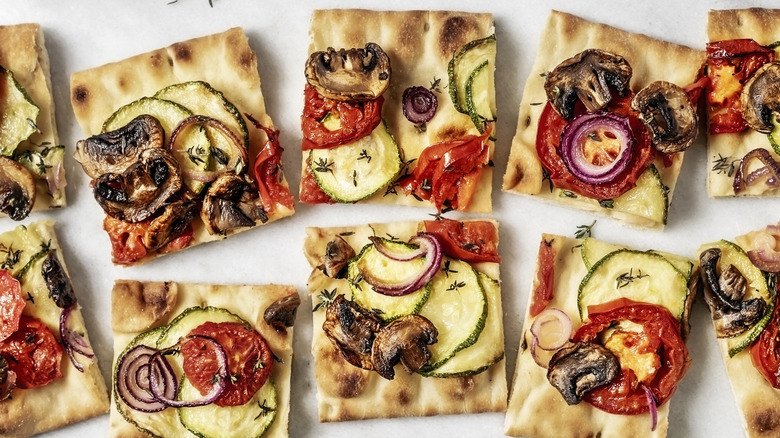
(179, 152)
(32, 175)
(399, 108)
(201, 359)
(590, 133)
(601, 317)
(49, 376)
(739, 288)
(424, 294)
(743, 138)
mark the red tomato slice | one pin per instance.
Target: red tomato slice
(357, 120)
(268, 165)
(548, 140)
(11, 304)
(623, 395)
(311, 193)
(545, 279)
(250, 360)
(472, 241)
(127, 240)
(765, 352)
(35, 355)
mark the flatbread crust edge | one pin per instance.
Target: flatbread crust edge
(536, 408)
(345, 392)
(72, 398)
(224, 60)
(761, 25)
(420, 45)
(564, 36)
(139, 306)
(23, 51)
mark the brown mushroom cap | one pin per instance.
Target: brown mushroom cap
(281, 313)
(170, 224)
(575, 370)
(586, 77)
(231, 202)
(57, 281)
(668, 114)
(352, 330)
(337, 253)
(138, 192)
(115, 151)
(349, 74)
(404, 340)
(17, 189)
(760, 97)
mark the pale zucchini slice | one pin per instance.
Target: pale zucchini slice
(640, 276)
(481, 95)
(464, 63)
(649, 199)
(489, 348)
(392, 271)
(18, 114)
(458, 309)
(190, 319)
(733, 254)
(593, 250)
(357, 170)
(249, 420)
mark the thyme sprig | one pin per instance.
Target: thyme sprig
(264, 409)
(727, 165)
(584, 231)
(11, 257)
(447, 270)
(456, 285)
(364, 156)
(323, 165)
(326, 298)
(627, 278)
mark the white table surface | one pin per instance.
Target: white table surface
(84, 34)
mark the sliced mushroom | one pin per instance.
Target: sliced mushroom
(17, 189)
(170, 224)
(760, 98)
(668, 114)
(724, 295)
(587, 77)
(404, 340)
(577, 369)
(349, 74)
(352, 330)
(57, 281)
(142, 189)
(7, 379)
(115, 151)
(231, 202)
(337, 253)
(281, 313)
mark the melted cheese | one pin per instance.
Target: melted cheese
(629, 344)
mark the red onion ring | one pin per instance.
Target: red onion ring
(429, 249)
(653, 407)
(770, 171)
(75, 343)
(766, 257)
(132, 380)
(419, 104)
(575, 135)
(551, 322)
(238, 158)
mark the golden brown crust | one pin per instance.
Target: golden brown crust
(761, 25)
(420, 45)
(564, 36)
(74, 397)
(139, 306)
(224, 60)
(247, 302)
(345, 392)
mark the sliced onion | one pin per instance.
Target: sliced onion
(238, 156)
(536, 355)
(132, 380)
(769, 172)
(55, 177)
(75, 344)
(429, 249)
(551, 329)
(576, 135)
(158, 381)
(419, 104)
(766, 256)
(653, 407)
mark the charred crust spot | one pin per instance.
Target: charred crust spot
(246, 60)
(766, 421)
(455, 32)
(80, 94)
(403, 397)
(156, 60)
(528, 121)
(450, 133)
(183, 52)
(351, 382)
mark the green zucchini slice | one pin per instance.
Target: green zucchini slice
(18, 114)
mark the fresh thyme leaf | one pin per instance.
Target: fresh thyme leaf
(627, 278)
(535, 103)
(354, 178)
(30, 298)
(584, 231)
(447, 270)
(435, 85)
(11, 257)
(568, 194)
(32, 124)
(421, 127)
(456, 285)
(607, 203)
(194, 153)
(264, 409)
(546, 177)
(45, 248)
(326, 297)
(323, 165)
(595, 137)
(364, 156)
(725, 165)
(220, 156)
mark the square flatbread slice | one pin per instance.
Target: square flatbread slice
(77, 395)
(142, 310)
(651, 60)
(725, 151)
(420, 46)
(473, 380)
(225, 62)
(23, 53)
(536, 408)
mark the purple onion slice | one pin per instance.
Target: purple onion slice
(429, 249)
(419, 104)
(597, 147)
(76, 346)
(132, 380)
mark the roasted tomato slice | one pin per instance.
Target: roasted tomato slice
(659, 341)
(356, 120)
(311, 193)
(765, 352)
(471, 241)
(127, 240)
(545, 278)
(34, 353)
(268, 171)
(548, 141)
(249, 357)
(11, 304)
